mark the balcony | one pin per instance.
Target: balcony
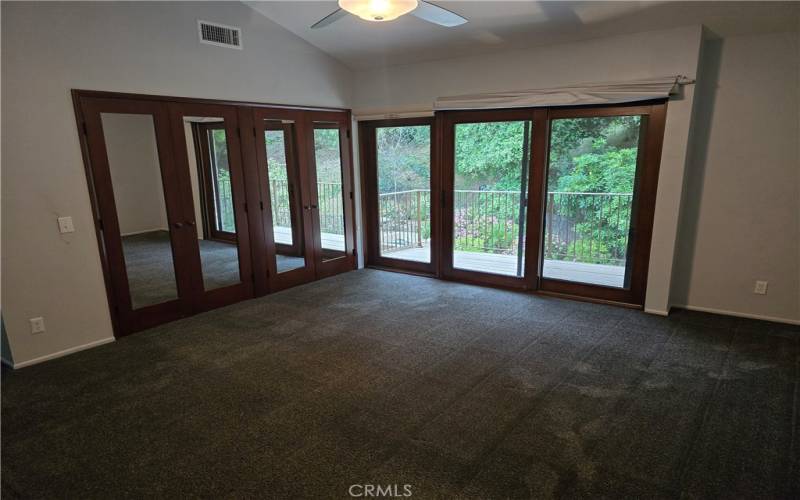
(586, 235)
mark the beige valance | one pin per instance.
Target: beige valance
(575, 95)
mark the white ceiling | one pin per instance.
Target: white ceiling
(504, 25)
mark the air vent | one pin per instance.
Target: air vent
(220, 35)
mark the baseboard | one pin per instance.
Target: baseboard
(71, 350)
(657, 312)
(724, 312)
(6, 362)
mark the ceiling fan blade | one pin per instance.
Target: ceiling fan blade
(437, 15)
(330, 18)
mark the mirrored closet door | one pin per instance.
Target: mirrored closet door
(286, 221)
(203, 203)
(208, 164)
(139, 210)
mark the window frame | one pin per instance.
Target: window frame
(367, 134)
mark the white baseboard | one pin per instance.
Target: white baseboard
(154, 230)
(657, 312)
(762, 317)
(40, 359)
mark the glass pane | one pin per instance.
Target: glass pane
(212, 196)
(287, 219)
(404, 192)
(330, 197)
(141, 209)
(590, 183)
(489, 200)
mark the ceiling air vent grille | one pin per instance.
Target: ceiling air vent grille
(220, 35)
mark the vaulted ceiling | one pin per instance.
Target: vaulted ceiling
(503, 25)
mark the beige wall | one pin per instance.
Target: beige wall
(50, 48)
(741, 219)
(657, 53)
(135, 172)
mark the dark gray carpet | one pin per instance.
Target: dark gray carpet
(384, 378)
(151, 271)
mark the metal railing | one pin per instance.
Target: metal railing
(580, 227)
(405, 219)
(330, 205)
(587, 227)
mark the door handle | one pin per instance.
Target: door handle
(178, 225)
(190, 223)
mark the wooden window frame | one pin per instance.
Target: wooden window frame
(369, 177)
(642, 209)
(449, 119)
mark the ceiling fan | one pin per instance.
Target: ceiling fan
(387, 10)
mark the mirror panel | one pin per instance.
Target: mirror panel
(212, 197)
(137, 183)
(283, 174)
(330, 195)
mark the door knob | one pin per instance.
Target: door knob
(190, 223)
(178, 225)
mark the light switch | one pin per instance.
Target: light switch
(65, 225)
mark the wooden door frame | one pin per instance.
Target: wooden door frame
(125, 319)
(369, 174)
(342, 121)
(643, 204)
(209, 299)
(449, 119)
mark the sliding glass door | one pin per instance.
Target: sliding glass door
(553, 199)
(487, 173)
(602, 170)
(403, 189)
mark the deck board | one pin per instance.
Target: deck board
(596, 274)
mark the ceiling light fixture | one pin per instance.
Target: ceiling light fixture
(378, 10)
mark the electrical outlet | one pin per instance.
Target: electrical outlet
(37, 325)
(65, 225)
(761, 288)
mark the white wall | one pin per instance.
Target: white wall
(135, 172)
(50, 48)
(658, 53)
(741, 219)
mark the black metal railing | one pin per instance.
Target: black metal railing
(580, 227)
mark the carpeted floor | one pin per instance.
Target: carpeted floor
(381, 378)
(151, 271)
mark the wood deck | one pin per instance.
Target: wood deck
(596, 274)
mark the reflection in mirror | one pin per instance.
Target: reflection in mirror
(330, 198)
(212, 196)
(141, 209)
(287, 217)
